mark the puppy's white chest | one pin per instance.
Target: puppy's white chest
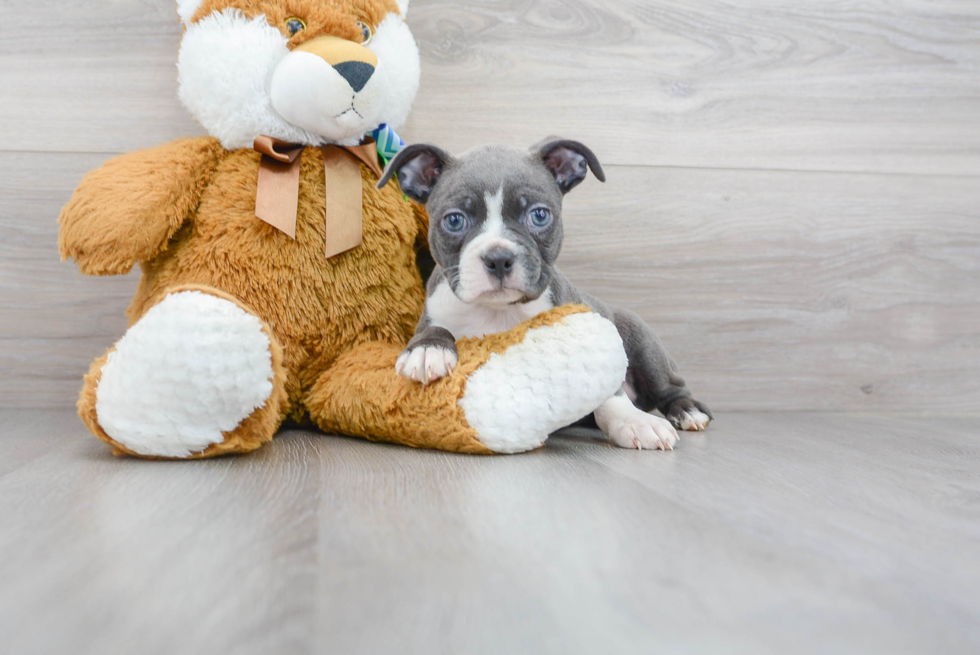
(474, 320)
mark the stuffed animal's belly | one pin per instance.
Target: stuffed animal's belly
(317, 307)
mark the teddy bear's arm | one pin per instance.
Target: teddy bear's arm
(129, 209)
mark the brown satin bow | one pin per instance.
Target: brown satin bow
(277, 196)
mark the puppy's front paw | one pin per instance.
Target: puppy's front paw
(689, 414)
(642, 431)
(426, 364)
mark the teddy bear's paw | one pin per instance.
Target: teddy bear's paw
(556, 375)
(193, 368)
(426, 364)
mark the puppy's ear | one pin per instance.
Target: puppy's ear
(418, 167)
(568, 161)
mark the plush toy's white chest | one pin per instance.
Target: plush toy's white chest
(472, 320)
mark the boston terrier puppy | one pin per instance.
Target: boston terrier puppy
(495, 234)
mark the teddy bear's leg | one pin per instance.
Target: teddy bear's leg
(197, 376)
(508, 392)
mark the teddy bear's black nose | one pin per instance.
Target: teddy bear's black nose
(357, 73)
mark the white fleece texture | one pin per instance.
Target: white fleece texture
(555, 376)
(193, 367)
(227, 64)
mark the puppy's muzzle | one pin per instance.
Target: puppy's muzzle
(354, 62)
(499, 263)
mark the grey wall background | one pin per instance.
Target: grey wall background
(793, 196)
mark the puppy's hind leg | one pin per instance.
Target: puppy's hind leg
(689, 414)
(652, 379)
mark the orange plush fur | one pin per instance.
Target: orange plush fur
(185, 212)
(336, 18)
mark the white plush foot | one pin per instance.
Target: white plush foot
(426, 364)
(629, 427)
(693, 420)
(193, 367)
(555, 376)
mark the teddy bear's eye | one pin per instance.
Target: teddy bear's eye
(295, 25)
(366, 32)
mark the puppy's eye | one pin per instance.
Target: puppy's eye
(539, 218)
(454, 223)
(366, 32)
(295, 25)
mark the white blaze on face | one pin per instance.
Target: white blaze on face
(239, 79)
(474, 279)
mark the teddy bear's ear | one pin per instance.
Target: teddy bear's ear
(418, 167)
(187, 8)
(568, 161)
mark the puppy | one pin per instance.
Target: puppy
(495, 234)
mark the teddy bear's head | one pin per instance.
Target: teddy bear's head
(309, 72)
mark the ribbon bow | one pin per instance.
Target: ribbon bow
(277, 195)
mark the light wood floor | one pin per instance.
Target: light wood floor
(772, 533)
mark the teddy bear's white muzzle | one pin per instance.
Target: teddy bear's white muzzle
(333, 102)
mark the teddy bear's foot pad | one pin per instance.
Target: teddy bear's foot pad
(193, 367)
(555, 376)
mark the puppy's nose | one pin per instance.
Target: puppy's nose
(357, 73)
(499, 262)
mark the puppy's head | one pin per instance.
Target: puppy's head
(495, 212)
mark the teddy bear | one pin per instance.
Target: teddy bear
(279, 284)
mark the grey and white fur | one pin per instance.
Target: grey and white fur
(495, 233)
